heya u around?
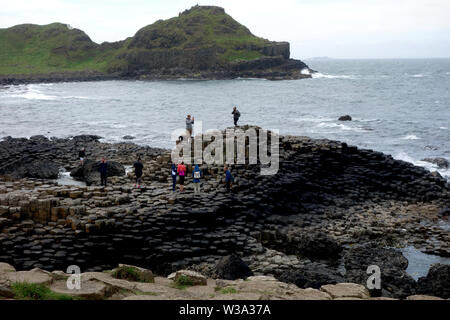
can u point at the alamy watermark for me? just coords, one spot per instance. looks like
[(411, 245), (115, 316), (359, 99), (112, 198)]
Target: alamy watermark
[(374, 281), (241, 147), (74, 281)]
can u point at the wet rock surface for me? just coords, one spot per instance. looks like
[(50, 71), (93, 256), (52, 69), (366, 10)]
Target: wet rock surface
[(326, 198)]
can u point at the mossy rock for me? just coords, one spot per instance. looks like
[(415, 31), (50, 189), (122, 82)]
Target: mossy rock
[(132, 273)]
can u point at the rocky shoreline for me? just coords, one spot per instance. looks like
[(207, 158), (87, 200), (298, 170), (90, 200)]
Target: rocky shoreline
[(160, 76), (128, 282), (329, 212)]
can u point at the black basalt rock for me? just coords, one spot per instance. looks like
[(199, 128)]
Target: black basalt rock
[(231, 268), (437, 281)]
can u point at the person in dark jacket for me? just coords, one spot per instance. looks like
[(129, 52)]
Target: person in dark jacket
[(228, 178), (236, 114), (138, 167), (103, 172), (82, 155), (174, 176)]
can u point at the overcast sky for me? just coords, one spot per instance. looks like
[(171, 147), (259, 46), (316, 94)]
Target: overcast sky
[(333, 28)]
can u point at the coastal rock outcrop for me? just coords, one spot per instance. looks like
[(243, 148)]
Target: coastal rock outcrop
[(345, 118), (437, 282), (89, 171), (231, 268), (394, 279), (369, 195), (440, 162)]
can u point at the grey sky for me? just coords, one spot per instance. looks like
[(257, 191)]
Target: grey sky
[(334, 28)]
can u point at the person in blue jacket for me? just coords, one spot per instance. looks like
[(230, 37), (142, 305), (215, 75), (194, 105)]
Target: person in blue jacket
[(103, 172), (174, 176), (196, 175), (228, 178)]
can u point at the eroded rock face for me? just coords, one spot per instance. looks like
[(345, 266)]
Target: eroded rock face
[(313, 275), (394, 279), (437, 281), (442, 163), (231, 268), (345, 118), (31, 168), (89, 171)]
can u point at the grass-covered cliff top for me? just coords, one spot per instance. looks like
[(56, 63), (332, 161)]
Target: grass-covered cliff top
[(41, 49)]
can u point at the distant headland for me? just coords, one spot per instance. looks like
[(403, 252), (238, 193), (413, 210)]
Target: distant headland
[(201, 43)]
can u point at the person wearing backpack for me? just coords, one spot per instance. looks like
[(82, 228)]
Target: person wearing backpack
[(174, 176), (196, 175), (236, 114), (181, 170), (228, 178)]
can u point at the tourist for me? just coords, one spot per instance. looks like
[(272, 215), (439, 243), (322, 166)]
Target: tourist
[(138, 167), (196, 175), (189, 123), (82, 155), (228, 178), (103, 172), (181, 170), (174, 176), (236, 114)]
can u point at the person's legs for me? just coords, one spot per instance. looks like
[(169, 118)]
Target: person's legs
[(235, 121), (228, 186), (174, 183), (138, 181)]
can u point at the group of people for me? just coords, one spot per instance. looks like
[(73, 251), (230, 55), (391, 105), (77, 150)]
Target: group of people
[(179, 171)]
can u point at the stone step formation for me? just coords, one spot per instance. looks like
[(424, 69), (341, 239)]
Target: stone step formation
[(326, 196)]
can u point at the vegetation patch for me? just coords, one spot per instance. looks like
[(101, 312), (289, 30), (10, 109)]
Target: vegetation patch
[(33, 291), (182, 282), (229, 290)]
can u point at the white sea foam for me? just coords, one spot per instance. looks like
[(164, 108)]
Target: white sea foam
[(427, 165), (443, 128), (318, 75), (305, 71), (313, 119), (341, 126), (418, 75), (33, 95), (410, 137)]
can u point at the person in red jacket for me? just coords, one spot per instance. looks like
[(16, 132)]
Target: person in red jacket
[(181, 170)]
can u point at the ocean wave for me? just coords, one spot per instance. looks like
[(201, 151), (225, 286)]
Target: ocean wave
[(318, 75), (313, 119), (410, 137), (33, 95), (443, 128), (424, 164), (342, 127)]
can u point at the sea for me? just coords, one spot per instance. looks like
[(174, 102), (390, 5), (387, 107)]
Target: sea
[(400, 107)]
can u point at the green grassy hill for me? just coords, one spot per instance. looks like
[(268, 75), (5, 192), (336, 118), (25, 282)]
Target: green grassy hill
[(201, 38), (34, 49)]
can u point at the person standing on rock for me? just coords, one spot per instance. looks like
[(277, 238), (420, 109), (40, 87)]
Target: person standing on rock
[(228, 178), (174, 176), (181, 170), (189, 124), (236, 114), (103, 172), (138, 167), (196, 175), (82, 155)]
